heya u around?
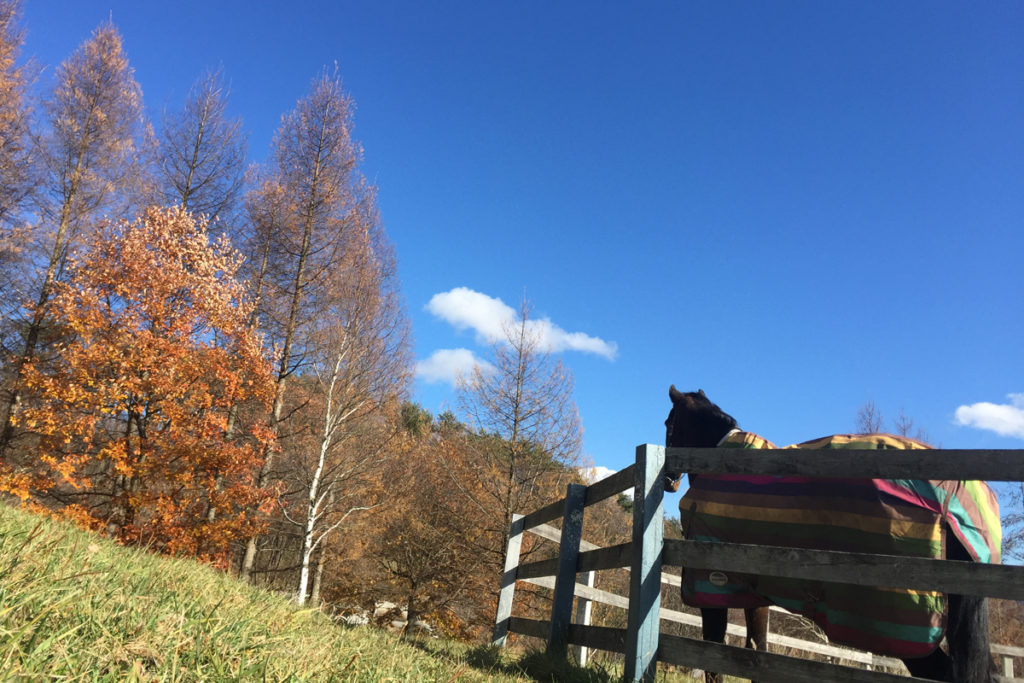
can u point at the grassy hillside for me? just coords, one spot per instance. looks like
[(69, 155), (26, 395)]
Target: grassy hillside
[(75, 607)]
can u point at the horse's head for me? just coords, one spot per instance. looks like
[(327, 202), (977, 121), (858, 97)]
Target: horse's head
[(693, 422)]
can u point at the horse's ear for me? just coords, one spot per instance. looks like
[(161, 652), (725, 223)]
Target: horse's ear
[(674, 394), (701, 392)]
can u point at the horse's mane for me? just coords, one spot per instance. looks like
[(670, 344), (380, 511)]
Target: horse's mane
[(712, 413)]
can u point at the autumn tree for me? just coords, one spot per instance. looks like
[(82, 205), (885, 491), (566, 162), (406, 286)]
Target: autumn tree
[(17, 179), (358, 354), (202, 153), (317, 197), (91, 155), (132, 413), (526, 426), (429, 540), (16, 173)]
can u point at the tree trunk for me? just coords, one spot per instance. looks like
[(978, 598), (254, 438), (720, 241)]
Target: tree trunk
[(318, 577), (307, 552), (410, 610)]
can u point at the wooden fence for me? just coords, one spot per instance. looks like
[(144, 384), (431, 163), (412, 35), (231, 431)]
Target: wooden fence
[(643, 644)]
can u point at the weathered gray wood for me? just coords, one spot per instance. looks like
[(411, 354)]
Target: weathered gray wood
[(595, 493), (947, 576), (606, 598), (612, 557), (551, 533), (764, 666), (565, 580), (620, 555), (532, 570), (611, 485), (987, 465), (592, 594), (679, 651), (645, 571), (545, 514), (583, 609), (508, 581), (599, 637), (529, 627), (1008, 650)]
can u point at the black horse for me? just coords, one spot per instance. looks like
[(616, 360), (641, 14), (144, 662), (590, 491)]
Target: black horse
[(696, 422)]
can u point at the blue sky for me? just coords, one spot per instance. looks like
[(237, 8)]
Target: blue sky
[(796, 206)]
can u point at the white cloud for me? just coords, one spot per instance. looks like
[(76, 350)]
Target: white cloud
[(1003, 419), (595, 474), (446, 365), (465, 308)]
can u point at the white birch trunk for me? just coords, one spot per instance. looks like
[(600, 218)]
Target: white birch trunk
[(309, 543)]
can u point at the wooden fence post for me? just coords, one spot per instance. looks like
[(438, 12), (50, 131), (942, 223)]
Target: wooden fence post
[(645, 572), (583, 617), (508, 581), (565, 581)]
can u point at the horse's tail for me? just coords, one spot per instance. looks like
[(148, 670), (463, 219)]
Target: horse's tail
[(967, 632)]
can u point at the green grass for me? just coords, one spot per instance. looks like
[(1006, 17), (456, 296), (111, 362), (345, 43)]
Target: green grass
[(75, 607)]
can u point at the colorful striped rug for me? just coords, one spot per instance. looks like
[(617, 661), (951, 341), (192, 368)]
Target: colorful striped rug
[(879, 516)]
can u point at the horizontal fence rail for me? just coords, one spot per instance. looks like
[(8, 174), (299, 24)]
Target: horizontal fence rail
[(888, 571), (843, 463), (644, 646)]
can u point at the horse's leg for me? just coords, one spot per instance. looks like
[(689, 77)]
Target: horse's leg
[(757, 627), (936, 667), (967, 629), (713, 622), (969, 659)]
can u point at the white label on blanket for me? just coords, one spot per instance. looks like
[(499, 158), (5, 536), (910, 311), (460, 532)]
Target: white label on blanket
[(718, 579)]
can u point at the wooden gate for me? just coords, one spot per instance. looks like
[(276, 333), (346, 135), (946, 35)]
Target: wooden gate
[(642, 643)]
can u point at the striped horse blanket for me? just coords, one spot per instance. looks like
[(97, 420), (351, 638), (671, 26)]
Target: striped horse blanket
[(878, 516)]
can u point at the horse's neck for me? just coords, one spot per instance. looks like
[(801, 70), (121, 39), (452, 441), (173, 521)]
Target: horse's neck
[(717, 429)]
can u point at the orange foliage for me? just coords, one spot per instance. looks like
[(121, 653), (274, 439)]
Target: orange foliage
[(133, 413), (435, 554)]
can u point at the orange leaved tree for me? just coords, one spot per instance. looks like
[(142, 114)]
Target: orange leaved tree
[(132, 416)]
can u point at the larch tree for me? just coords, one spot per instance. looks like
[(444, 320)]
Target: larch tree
[(314, 176), (92, 154), (132, 413), (267, 210), (16, 154), (17, 180), (201, 160), (527, 425)]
